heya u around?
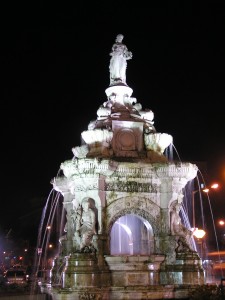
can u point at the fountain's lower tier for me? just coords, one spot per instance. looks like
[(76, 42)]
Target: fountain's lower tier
[(128, 277)]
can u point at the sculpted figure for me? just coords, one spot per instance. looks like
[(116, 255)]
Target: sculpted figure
[(177, 228), (76, 219), (88, 224), (118, 61)]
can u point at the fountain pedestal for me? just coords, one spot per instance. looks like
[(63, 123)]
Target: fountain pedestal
[(135, 270), (187, 270), (81, 270)]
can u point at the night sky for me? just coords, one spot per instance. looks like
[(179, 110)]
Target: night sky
[(55, 69)]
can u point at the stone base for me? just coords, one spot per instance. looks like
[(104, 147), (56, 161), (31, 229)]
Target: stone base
[(128, 277), (125, 293), (134, 270), (187, 269), (82, 271)]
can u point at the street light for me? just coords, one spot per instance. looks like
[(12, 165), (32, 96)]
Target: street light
[(221, 222), (199, 234), (205, 190)]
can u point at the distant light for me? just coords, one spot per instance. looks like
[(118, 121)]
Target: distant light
[(221, 222), (214, 185)]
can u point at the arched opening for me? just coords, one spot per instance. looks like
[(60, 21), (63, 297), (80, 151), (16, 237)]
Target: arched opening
[(131, 235)]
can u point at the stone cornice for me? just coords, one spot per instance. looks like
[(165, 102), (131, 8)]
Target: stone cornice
[(139, 168)]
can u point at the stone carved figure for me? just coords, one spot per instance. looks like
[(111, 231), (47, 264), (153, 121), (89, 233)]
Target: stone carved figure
[(183, 245), (118, 62), (76, 220), (87, 225), (176, 226), (63, 238)]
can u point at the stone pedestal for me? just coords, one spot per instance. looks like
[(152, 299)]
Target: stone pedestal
[(187, 269), (81, 270), (134, 270)]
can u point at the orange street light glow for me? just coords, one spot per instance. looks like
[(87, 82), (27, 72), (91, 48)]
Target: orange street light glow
[(221, 222), (215, 186), (199, 233)]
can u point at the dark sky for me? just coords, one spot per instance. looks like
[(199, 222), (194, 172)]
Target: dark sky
[(55, 69)]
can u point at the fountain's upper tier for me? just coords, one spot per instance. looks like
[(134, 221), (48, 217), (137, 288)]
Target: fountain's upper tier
[(121, 106), (122, 127)]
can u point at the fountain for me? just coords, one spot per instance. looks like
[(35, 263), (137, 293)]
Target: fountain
[(124, 238)]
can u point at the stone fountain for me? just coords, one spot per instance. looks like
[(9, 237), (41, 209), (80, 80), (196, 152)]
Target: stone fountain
[(124, 238)]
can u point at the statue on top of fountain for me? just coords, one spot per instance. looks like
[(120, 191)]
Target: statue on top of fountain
[(122, 127), (118, 62)]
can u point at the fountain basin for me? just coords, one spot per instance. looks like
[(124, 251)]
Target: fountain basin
[(157, 142)]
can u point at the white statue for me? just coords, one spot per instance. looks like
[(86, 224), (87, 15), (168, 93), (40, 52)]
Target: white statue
[(177, 228), (88, 224), (118, 61), (76, 219)]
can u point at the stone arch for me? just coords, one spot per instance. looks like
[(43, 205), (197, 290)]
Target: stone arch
[(131, 234), (139, 206), (134, 211)]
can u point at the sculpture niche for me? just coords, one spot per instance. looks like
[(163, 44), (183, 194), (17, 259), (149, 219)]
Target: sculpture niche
[(82, 226)]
